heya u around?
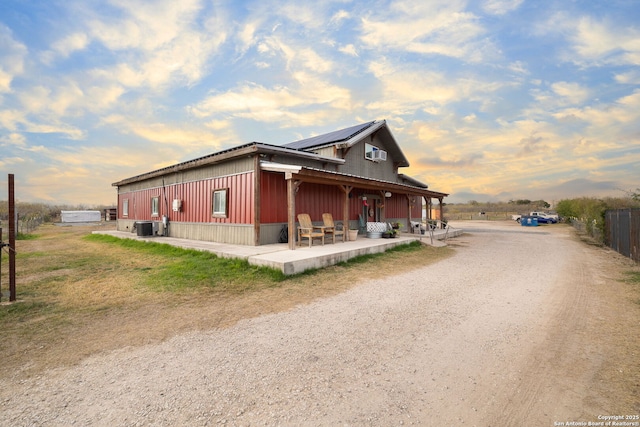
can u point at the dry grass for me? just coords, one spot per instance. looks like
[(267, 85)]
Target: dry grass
[(78, 297)]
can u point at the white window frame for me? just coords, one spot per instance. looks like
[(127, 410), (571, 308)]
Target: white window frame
[(220, 203), (125, 207), (155, 206), (373, 153)]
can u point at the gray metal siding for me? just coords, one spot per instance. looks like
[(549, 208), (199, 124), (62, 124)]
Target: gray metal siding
[(357, 164), (270, 233), (237, 234)]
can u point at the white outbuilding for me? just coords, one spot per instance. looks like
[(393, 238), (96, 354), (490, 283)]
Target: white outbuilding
[(80, 216)]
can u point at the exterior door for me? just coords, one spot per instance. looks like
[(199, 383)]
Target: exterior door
[(372, 211)]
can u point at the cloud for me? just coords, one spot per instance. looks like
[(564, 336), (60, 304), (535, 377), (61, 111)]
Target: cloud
[(532, 144), (582, 187), (12, 56), (14, 138), (349, 49), (474, 104), (501, 7), (601, 117), (428, 28), (246, 36), (16, 121), (143, 25), (339, 16), (295, 55), (307, 14), (405, 89), (630, 77), (518, 67), (280, 104), (601, 41), (571, 92), (178, 136), (8, 162), (145, 44), (66, 46), (452, 163)]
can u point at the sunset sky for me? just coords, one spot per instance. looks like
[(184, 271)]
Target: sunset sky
[(489, 100)]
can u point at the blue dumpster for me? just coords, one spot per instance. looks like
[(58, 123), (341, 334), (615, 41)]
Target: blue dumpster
[(529, 221)]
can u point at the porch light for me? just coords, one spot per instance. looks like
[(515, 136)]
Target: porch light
[(387, 194)]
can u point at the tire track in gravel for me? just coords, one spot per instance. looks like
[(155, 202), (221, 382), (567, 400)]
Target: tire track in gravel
[(543, 392)]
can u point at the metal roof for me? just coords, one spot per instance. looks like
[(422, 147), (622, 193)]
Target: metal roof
[(220, 156), (412, 180), (329, 138), (346, 137)]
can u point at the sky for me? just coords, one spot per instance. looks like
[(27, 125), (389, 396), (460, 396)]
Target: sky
[(492, 100)]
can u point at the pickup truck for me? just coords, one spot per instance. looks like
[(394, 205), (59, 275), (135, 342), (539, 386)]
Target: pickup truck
[(543, 217), (546, 215)]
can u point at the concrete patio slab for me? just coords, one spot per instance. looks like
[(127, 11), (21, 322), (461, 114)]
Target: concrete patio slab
[(303, 258)]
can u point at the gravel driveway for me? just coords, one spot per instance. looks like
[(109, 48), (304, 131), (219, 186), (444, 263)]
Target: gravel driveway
[(490, 336)]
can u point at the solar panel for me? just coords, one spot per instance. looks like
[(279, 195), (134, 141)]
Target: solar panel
[(327, 138)]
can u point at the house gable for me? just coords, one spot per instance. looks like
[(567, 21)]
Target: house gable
[(369, 150)]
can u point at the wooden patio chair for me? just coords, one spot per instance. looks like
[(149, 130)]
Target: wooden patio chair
[(331, 228), (308, 230)]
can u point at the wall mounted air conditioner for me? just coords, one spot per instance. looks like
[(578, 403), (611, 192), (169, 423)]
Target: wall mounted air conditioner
[(177, 205), (379, 155)]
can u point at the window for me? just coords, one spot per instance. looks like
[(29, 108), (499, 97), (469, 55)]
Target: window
[(220, 203), (125, 207), (155, 205), (372, 152)]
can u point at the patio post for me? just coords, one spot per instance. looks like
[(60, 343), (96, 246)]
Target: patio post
[(292, 189), (345, 210)]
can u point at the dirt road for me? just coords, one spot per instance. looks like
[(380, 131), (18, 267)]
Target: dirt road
[(523, 326)]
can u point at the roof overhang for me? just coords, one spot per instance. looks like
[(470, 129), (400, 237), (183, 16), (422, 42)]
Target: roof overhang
[(317, 176), (412, 180)]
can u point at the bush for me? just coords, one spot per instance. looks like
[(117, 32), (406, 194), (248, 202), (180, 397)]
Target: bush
[(590, 212)]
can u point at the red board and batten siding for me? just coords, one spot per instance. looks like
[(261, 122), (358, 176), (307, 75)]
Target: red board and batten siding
[(396, 207), (314, 199), (196, 197), (273, 198)]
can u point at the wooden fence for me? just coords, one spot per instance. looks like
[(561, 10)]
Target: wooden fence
[(622, 232)]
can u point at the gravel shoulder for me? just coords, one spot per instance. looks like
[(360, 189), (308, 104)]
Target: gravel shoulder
[(522, 326)]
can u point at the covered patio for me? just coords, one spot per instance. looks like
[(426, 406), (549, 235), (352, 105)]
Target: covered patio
[(297, 175)]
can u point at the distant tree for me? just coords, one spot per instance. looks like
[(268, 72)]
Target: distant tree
[(473, 202), (542, 204)]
